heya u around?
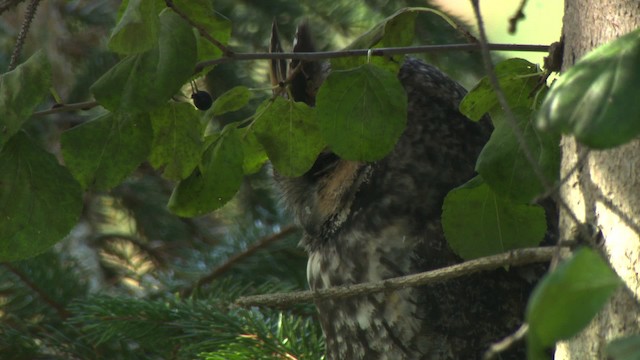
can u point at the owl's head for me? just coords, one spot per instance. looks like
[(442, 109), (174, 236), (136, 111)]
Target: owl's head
[(320, 198)]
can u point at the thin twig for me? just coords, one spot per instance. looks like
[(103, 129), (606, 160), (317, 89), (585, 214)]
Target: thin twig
[(234, 260), (59, 308), (87, 105), (511, 258), (510, 116), (519, 15), (22, 35), (506, 343), (203, 32), (323, 55)]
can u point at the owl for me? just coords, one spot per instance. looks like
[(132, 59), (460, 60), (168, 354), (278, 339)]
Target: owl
[(370, 221)]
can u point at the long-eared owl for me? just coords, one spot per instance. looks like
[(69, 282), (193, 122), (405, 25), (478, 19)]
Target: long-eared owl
[(372, 221)]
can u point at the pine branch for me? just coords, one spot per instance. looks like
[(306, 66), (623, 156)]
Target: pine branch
[(234, 260), (59, 308), (510, 258)]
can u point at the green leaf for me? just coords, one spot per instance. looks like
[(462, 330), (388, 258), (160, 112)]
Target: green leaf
[(219, 27), (21, 90), (627, 348), (597, 99), (566, 300), (137, 28), (504, 166), (145, 81), (478, 222), (102, 152), (39, 199), (232, 100), (177, 139), (517, 78), (289, 133), (362, 112), (254, 154), (395, 31), (216, 180)]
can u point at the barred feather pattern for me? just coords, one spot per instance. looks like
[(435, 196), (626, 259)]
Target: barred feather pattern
[(372, 221)]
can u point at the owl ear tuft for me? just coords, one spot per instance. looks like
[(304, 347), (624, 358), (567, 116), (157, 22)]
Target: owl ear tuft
[(278, 70), (306, 82)]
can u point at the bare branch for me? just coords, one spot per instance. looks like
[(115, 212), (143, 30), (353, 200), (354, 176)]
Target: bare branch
[(203, 32), (323, 55), (234, 260), (24, 30), (511, 258), (504, 344), (519, 15)]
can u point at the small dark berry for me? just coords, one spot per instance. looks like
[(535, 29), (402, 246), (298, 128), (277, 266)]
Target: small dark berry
[(202, 100)]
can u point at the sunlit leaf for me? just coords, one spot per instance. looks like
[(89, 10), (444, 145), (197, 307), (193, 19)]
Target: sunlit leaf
[(566, 300), (102, 152), (597, 99), (362, 112), (477, 222), (144, 81), (289, 133), (21, 90), (517, 78), (215, 181), (254, 154), (39, 199), (177, 139)]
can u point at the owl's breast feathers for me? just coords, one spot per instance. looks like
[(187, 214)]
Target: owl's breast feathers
[(372, 221)]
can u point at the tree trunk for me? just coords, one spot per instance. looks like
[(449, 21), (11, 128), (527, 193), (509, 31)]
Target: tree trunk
[(605, 190)]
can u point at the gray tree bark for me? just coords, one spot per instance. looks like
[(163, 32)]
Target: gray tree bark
[(605, 190)]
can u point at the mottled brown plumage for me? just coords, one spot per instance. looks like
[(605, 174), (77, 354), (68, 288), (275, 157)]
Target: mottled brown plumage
[(372, 221)]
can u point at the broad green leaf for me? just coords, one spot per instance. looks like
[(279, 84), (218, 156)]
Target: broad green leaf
[(39, 199), (566, 300), (627, 348), (597, 99), (517, 78), (137, 28), (102, 152), (145, 81), (289, 133), (177, 139), (504, 165), (395, 31), (215, 181), (254, 154), (478, 222), (219, 27), (232, 100), (21, 90), (361, 112)]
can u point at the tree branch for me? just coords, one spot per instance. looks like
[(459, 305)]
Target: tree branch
[(323, 55), (235, 259), (519, 15), (512, 258), (203, 32), (504, 344), (22, 35)]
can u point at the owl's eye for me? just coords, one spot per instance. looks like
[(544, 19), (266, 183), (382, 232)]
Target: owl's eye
[(202, 100)]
